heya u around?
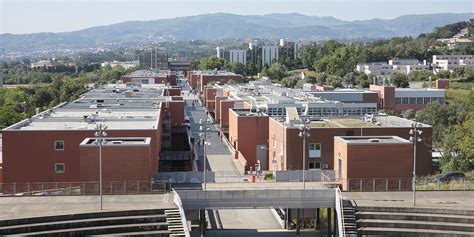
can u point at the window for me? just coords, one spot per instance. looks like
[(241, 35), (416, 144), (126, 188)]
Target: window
[(398, 101), (405, 100), (314, 165), (314, 150), (427, 100), (412, 100), (419, 100), (59, 168), (59, 145)]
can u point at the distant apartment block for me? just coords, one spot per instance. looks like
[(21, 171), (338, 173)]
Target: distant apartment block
[(450, 62), (153, 59), (41, 64), (382, 69), (199, 79), (125, 64), (269, 53), (238, 56)]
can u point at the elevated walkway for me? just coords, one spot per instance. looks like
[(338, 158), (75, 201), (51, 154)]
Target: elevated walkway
[(242, 199)]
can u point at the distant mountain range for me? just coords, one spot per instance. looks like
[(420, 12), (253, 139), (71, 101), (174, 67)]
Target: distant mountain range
[(222, 25)]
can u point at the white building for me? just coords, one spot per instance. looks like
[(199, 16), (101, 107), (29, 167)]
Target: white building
[(125, 64), (269, 53), (298, 46), (220, 52), (450, 62), (404, 66), (238, 56)]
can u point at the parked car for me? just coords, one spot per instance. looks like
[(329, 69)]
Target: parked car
[(450, 177)]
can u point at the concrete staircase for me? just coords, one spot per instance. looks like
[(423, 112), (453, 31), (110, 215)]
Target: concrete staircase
[(154, 222), (424, 222), (350, 225)]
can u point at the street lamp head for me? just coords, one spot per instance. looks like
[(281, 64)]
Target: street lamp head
[(411, 139), (96, 134), (300, 134), (420, 140), (104, 134), (420, 132)]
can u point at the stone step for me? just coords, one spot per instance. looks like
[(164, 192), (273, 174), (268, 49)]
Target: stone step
[(416, 210), (416, 217), (411, 232), (416, 225), (158, 233), (92, 222), (102, 230), (80, 216)]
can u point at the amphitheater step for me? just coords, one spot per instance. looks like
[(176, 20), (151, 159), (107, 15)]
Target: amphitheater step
[(158, 233), (416, 217), (462, 212), (80, 216), (409, 224), (411, 232), (101, 230), (92, 222)]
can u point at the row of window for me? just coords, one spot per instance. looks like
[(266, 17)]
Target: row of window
[(418, 100), (344, 111)]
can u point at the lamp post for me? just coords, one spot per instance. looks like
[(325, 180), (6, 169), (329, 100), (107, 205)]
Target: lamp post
[(415, 137), (203, 135), (100, 134), (304, 133)]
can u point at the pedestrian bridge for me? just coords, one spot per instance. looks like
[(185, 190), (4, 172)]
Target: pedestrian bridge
[(261, 198)]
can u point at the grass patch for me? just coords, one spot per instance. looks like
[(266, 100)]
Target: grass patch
[(457, 95)]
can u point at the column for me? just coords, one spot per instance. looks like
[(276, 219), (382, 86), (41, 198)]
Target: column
[(329, 221), (317, 223), (298, 220)]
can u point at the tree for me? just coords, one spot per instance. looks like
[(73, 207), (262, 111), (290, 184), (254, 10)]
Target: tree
[(362, 80), (458, 148), (9, 116), (334, 81), (212, 63), (238, 68), (409, 114), (399, 80), (289, 82), (275, 72)]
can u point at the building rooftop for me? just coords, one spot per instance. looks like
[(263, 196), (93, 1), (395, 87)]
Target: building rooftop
[(373, 140), (132, 108), (118, 141), (379, 120), (148, 73)]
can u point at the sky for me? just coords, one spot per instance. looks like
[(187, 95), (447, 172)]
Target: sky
[(31, 16)]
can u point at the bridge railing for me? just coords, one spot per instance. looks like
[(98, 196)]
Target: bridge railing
[(82, 188), (177, 202), (339, 213)]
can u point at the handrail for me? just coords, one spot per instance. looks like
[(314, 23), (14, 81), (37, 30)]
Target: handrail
[(340, 213), (177, 201)]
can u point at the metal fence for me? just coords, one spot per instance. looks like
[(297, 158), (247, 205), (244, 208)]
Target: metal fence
[(309, 175), (82, 188), (404, 184), (185, 177)]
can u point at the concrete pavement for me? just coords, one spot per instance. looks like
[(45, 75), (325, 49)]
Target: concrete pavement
[(424, 199), (23, 207)]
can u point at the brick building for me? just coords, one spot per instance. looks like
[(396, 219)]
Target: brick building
[(150, 77), (360, 159), (285, 146), (400, 99), (49, 143)]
